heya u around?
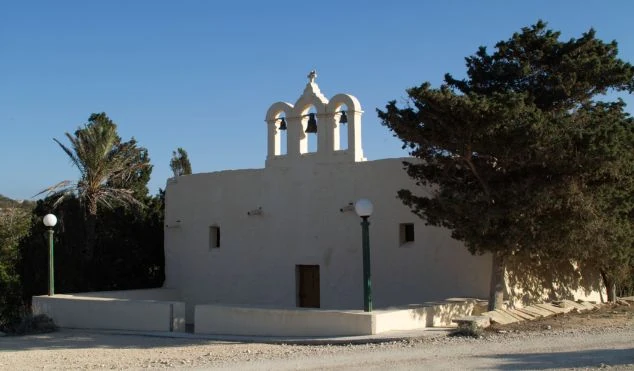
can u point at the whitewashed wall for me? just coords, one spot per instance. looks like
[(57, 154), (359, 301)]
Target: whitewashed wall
[(301, 223)]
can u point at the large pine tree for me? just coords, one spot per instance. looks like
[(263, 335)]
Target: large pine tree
[(523, 156)]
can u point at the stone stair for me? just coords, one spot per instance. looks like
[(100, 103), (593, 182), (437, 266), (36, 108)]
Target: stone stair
[(528, 313), (512, 315)]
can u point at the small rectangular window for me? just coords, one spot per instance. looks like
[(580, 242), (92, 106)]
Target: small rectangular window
[(214, 237), (406, 233)]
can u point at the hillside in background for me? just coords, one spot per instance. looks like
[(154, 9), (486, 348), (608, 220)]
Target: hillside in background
[(6, 203)]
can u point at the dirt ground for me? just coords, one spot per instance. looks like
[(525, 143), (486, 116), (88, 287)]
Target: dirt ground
[(600, 339), (606, 316)]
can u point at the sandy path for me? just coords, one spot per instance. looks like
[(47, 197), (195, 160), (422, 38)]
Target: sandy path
[(77, 349)]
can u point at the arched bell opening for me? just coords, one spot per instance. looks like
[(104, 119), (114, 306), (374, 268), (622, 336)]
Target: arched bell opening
[(281, 134), (341, 128), (310, 125), (278, 117), (348, 125)]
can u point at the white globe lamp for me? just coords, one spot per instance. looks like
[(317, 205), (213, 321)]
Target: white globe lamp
[(363, 207), (50, 220)]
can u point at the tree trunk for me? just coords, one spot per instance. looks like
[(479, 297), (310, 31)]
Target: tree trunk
[(610, 286), (496, 290), (91, 237), (91, 265)]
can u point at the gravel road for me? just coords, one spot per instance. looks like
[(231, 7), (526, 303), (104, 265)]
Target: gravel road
[(611, 348)]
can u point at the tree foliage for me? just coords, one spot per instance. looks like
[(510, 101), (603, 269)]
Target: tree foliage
[(129, 240), (112, 173), (522, 155), (14, 225), (179, 163), (7, 203)]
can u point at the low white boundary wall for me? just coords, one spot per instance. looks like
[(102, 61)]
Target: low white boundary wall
[(140, 310), (257, 321), (431, 314), (233, 320), (142, 294)]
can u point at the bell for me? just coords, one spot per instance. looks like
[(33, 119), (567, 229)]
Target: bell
[(344, 118), (312, 124), (283, 124)]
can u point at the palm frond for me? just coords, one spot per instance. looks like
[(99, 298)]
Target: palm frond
[(113, 197), (106, 165), (54, 188), (59, 192), (71, 154)]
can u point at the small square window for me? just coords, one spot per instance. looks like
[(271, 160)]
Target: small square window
[(214, 237), (406, 233)]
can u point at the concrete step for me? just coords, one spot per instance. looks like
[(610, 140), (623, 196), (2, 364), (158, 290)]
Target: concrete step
[(531, 312)]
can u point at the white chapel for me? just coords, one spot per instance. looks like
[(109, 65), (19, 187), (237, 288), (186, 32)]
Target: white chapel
[(287, 235)]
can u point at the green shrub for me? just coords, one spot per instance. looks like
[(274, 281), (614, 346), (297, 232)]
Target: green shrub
[(14, 225), (37, 324)]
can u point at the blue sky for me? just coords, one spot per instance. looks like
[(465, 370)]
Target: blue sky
[(201, 74)]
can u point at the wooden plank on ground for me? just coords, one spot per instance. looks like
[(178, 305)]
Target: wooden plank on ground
[(573, 304), (587, 305), (508, 317), (541, 312), (544, 312), (523, 315), (565, 308), (551, 308), (529, 312), (512, 315), (497, 317)]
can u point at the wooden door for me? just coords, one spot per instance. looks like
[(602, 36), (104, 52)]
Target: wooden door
[(307, 286)]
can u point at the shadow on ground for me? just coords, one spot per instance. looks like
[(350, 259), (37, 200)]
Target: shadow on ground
[(79, 339), (579, 359)]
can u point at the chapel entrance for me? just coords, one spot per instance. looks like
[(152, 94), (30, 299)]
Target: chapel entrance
[(307, 278)]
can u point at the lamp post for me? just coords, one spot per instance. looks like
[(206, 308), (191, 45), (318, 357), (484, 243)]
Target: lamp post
[(49, 221), (363, 208)]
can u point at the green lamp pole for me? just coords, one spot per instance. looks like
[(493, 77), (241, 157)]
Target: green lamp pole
[(49, 221), (364, 208)]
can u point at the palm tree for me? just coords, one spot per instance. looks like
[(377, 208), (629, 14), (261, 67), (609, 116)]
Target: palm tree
[(106, 166)]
